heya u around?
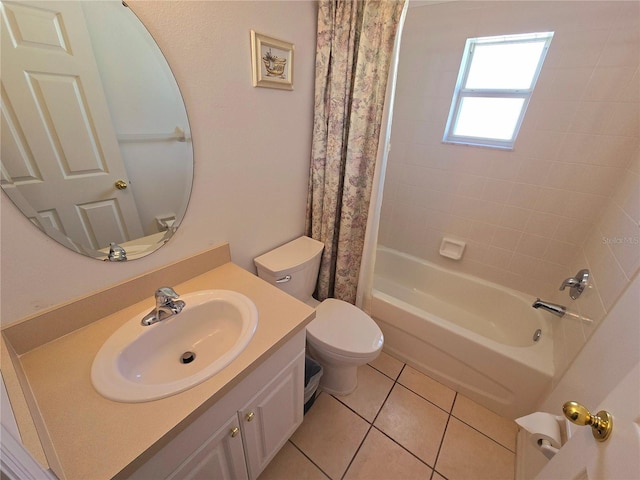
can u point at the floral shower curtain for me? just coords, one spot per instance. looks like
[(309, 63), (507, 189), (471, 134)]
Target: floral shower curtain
[(353, 54)]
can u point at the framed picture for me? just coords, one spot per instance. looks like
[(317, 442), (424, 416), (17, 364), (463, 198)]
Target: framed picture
[(272, 62)]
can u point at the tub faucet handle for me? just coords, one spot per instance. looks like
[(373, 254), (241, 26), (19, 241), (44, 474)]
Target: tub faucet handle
[(576, 284)]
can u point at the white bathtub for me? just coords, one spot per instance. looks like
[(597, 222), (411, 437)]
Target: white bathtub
[(470, 334)]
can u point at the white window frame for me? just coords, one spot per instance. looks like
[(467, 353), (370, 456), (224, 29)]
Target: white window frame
[(461, 92)]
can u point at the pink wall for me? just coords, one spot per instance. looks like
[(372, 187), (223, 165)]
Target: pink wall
[(567, 197), (251, 152)]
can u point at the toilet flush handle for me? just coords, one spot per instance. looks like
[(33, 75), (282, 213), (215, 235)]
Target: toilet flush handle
[(284, 279)]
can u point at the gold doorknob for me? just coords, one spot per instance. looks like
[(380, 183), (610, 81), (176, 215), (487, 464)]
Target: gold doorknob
[(249, 416), (601, 423), (121, 184), (234, 432)]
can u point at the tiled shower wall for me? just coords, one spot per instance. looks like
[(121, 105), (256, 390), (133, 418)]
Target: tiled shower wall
[(612, 253), (567, 196)]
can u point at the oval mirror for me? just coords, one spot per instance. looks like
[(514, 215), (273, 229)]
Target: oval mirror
[(96, 147)]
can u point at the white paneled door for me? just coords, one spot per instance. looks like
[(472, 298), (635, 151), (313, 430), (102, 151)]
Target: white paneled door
[(59, 148)]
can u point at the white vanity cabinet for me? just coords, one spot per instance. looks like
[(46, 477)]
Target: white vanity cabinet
[(239, 435), (272, 416), (221, 457)]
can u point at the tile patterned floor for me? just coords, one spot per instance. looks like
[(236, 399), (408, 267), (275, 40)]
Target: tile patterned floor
[(398, 425)]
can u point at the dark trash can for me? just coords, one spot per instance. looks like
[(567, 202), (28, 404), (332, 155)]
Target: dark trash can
[(312, 374)]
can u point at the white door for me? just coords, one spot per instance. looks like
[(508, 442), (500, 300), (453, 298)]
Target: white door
[(59, 148), (582, 457)]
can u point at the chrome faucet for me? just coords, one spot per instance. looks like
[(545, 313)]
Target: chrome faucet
[(557, 310), (116, 253), (166, 306), (576, 284)]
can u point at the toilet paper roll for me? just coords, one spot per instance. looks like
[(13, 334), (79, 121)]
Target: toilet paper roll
[(543, 427)]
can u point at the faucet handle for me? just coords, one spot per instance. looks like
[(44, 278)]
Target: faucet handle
[(569, 282), (577, 284), (116, 253), (165, 294)]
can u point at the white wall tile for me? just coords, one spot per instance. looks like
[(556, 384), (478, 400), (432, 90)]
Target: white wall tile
[(628, 196), (524, 195), (580, 48), (543, 224), (623, 237), (560, 253), (624, 119), (534, 215), (506, 238), (505, 167), (604, 83), (622, 48), (514, 217), (572, 231), (590, 118), (533, 245)]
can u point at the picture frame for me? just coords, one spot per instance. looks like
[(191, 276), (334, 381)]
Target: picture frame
[(271, 61)]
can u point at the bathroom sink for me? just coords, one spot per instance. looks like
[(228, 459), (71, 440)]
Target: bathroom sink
[(141, 363)]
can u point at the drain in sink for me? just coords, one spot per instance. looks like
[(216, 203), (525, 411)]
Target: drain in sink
[(187, 357)]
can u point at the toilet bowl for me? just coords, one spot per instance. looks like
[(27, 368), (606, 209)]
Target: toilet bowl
[(341, 337)]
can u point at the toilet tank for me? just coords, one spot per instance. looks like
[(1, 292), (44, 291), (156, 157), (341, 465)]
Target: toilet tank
[(292, 267)]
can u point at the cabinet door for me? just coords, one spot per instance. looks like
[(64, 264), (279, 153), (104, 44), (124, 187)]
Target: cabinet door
[(221, 457), (272, 416)]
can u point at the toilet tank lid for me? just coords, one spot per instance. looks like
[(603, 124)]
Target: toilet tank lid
[(290, 255)]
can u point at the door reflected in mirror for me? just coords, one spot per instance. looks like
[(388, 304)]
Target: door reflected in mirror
[(96, 145)]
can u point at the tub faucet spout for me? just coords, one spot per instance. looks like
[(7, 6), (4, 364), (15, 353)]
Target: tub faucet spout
[(557, 310)]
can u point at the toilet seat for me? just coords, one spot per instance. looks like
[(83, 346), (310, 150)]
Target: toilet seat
[(343, 329)]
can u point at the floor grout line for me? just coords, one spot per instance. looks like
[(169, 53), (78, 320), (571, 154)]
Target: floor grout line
[(386, 375), (356, 452), (444, 433), (451, 414), (403, 447), (308, 458), (483, 434), (371, 426), (370, 423)]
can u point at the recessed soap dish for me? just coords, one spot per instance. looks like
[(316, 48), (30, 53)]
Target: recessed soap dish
[(452, 248)]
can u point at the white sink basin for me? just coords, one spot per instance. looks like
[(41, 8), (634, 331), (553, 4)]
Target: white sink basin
[(141, 363)]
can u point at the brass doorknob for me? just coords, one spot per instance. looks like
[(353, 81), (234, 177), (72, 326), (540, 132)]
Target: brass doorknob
[(601, 423), (249, 416), (121, 184), (234, 432)]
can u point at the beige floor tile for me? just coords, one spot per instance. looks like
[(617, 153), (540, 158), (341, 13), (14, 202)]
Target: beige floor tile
[(427, 388), (330, 435), (413, 422), (388, 365), (290, 463), (437, 476), (502, 430), (367, 399), (467, 454), (382, 459)]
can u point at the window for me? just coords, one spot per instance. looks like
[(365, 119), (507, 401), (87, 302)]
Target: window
[(495, 82)]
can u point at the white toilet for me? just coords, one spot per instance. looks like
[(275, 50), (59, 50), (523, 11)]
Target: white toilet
[(342, 337)]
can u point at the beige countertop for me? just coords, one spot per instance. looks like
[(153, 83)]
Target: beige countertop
[(95, 438)]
